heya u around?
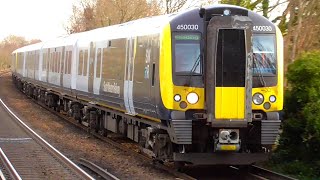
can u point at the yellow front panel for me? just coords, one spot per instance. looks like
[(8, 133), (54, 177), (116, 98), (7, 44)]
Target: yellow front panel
[(230, 103)]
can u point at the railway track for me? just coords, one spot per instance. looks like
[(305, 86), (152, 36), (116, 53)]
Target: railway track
[(253, 171), (33, 152), (98, 170), (115, 144), (7, 166), (261, 173)]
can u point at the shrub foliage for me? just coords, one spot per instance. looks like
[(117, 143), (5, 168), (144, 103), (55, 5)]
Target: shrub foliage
[(299, 144)]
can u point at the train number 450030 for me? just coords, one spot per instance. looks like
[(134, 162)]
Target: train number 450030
[(188, 27)]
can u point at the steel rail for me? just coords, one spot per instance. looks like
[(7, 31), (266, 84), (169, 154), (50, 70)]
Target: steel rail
[(98, 170), (76, 169), (265, 173), (9, 167), (2, 175), (114, 143)]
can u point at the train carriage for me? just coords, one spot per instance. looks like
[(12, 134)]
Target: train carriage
[(202, 86)]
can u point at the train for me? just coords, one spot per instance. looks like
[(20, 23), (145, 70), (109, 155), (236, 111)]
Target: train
[(203, 86)]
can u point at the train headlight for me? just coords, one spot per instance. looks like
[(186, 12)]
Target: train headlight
[(192, 98), (257, 99), (226, 12), (272, 98), (177, 97)]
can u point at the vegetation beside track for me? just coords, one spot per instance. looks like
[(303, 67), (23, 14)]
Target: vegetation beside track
[(298, 152)]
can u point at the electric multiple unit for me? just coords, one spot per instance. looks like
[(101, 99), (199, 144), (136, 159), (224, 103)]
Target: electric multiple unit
[(203, 86)]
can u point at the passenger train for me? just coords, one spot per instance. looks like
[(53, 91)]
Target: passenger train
[(203, 86)]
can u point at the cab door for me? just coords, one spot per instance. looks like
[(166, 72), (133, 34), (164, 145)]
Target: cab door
[(229, 70), (128, 76)]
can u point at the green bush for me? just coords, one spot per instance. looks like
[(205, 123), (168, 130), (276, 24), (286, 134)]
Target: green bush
[(299, 144)]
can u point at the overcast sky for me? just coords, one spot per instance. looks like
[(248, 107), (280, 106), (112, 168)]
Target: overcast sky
[(38, 19), (34, 19)]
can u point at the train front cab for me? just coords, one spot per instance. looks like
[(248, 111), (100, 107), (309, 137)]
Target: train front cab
[(232, 127)]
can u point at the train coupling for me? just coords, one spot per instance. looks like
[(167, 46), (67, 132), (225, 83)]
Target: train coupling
[(228, 140)]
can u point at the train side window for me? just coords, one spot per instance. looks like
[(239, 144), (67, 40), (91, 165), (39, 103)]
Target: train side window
[(142, 59), (85, 64), (51, 62), (61, 63), (37, 61), (48, 62), (99, 59), (80, 63), (116, 55), (104, 61), (70, 62), (153, 73), (43, 61), (66, 62), (56, 62)]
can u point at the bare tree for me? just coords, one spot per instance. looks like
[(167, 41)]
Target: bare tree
[(82, 18), (264, 6), (300, 23), (171, 6), (93, 14), (8, 45)]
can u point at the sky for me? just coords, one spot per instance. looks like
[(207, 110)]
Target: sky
[(34, 19), (37, 19)]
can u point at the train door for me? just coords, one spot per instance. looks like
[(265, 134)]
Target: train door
[(98, 69), (228, 70), (128, 77), (92, 59)]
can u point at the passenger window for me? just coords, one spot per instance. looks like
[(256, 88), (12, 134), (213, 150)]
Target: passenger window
[(69, 62), (61, 63), (56, 62), (115, 55), (66, 62), (80, 63), (104, 61), (98, 69), (85, 62), (51, 62)]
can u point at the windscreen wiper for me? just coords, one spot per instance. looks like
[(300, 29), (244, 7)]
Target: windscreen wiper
[(260, 74), (193, 69)]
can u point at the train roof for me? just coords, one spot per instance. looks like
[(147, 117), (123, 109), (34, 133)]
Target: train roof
[(147, 25), (31, 47)]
